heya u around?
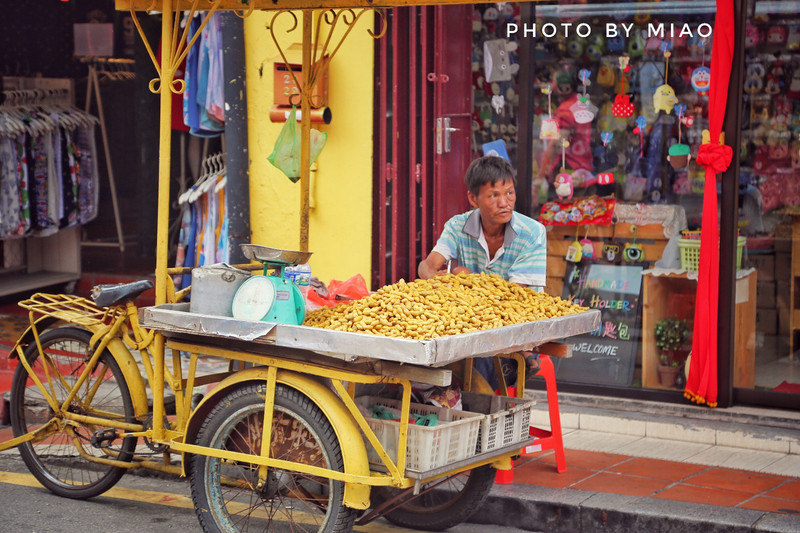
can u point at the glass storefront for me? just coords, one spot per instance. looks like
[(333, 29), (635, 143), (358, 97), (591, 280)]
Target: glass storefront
[(769, 186), (616, 96)]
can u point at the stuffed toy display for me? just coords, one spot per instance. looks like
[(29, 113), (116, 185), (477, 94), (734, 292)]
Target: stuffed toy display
[(497, 60)]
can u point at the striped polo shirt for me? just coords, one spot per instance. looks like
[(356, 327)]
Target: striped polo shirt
[(521, 259)]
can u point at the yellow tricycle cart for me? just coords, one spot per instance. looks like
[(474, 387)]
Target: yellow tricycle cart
[(82, 415)]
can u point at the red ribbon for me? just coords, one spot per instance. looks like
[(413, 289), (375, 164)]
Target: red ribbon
[(715, 157)]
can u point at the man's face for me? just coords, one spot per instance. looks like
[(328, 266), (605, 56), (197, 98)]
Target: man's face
[(495, 201)]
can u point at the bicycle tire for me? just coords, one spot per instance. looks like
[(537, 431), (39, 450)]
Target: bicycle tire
[(55, 460), (300, 433), (448, 505)]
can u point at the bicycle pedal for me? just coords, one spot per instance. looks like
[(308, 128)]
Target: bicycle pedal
[(102, 438)]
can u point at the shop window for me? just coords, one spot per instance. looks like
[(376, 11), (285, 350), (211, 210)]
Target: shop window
[(495, 87), (619, 103), (769, 187)]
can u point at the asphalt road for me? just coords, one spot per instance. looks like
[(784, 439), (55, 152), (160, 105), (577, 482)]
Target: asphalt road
[(139, 503)]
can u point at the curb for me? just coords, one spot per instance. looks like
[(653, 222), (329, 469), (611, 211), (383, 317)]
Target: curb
[(536, 508)]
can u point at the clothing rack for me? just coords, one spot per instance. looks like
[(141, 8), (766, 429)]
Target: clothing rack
[(109, 68), (32, 258)]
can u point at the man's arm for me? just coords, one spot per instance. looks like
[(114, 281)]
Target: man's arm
[(431, 266)]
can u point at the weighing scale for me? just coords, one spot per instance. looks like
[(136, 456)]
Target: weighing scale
[(271, 297)]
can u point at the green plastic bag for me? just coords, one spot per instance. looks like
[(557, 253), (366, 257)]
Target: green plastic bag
[(286, 154)]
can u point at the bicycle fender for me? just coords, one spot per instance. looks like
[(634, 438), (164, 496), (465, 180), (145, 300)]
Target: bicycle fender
[(356, 495), (133, 377)]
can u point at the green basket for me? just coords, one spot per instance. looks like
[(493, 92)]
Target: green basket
[(690, 253)]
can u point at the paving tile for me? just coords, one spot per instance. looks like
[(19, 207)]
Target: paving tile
[(681, 432), (787, 491), (794, 447), (609, 482), (597, 441), (668, 450), (773, 505), (657, 469), (736, 480), (540, 473), (789, 465), (738, 458), (761, 442), (612, 424), (587, 459), (690, 493), (540, 418)]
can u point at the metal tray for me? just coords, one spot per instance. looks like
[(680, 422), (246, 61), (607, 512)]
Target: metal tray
[(176, 318), (256, 252)]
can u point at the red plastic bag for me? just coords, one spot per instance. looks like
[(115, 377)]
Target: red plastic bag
[(354, 288)]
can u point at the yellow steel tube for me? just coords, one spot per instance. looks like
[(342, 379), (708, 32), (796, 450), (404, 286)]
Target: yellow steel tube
[(305, 130), (105, 422), (368, 433), (51, 399), (282, 464), (164, 163), (44, 431), (266, 429)]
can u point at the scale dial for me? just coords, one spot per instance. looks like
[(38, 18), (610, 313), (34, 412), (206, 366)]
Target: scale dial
[(254, 299)]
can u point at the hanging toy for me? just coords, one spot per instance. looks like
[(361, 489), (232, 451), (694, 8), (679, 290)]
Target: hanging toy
[(636, 44), (574, 251), (587, 246), (664, 98), (605, 178), (583, 109), (701, 76), (701, 80), (633, 253), (549, 129), (611, 248), (679, 154), (641, 122), (605, 76), (563, 181), (623, 107)]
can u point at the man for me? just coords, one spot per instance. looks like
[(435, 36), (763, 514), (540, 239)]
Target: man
[(491, 238)]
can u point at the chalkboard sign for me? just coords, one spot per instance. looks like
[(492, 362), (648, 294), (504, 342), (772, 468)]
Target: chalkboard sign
[(607, 355)]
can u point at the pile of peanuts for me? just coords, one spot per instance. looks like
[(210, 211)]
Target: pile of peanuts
[(444, 305)]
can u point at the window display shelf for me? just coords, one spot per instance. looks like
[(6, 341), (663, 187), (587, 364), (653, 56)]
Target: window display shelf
[(672, 293)]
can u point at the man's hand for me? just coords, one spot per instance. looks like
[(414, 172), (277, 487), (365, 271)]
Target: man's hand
[(460, 270), (433, 265)]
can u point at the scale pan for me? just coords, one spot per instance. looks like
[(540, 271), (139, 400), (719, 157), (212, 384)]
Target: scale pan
[(256, 252)]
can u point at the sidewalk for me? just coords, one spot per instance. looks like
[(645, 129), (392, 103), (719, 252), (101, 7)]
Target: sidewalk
[(646, 466)]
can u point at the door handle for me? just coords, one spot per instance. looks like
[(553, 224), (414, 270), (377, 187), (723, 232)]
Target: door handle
[(443, 131)]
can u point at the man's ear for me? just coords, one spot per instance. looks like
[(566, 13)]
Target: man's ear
[(473, 200)]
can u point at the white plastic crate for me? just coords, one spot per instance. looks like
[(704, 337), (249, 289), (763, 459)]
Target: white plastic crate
[(428, 447), (506, 420)]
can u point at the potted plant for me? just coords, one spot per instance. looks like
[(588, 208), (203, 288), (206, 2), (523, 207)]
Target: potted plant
[(670, 335)]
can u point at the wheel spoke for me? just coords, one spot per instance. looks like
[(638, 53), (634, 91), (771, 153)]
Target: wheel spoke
[(55, 460), (237, 495)]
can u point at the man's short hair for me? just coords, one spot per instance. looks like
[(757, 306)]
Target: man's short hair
[(488, 169)]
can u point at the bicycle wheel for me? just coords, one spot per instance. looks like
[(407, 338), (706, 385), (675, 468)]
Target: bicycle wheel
[(450, 503), (56, 460), (226, 493)]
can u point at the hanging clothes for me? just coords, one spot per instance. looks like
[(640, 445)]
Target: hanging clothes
[(48, 171), (203, 236), (204, 79)]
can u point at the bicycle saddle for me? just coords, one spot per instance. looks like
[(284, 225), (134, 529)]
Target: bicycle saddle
[(108, 295)]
